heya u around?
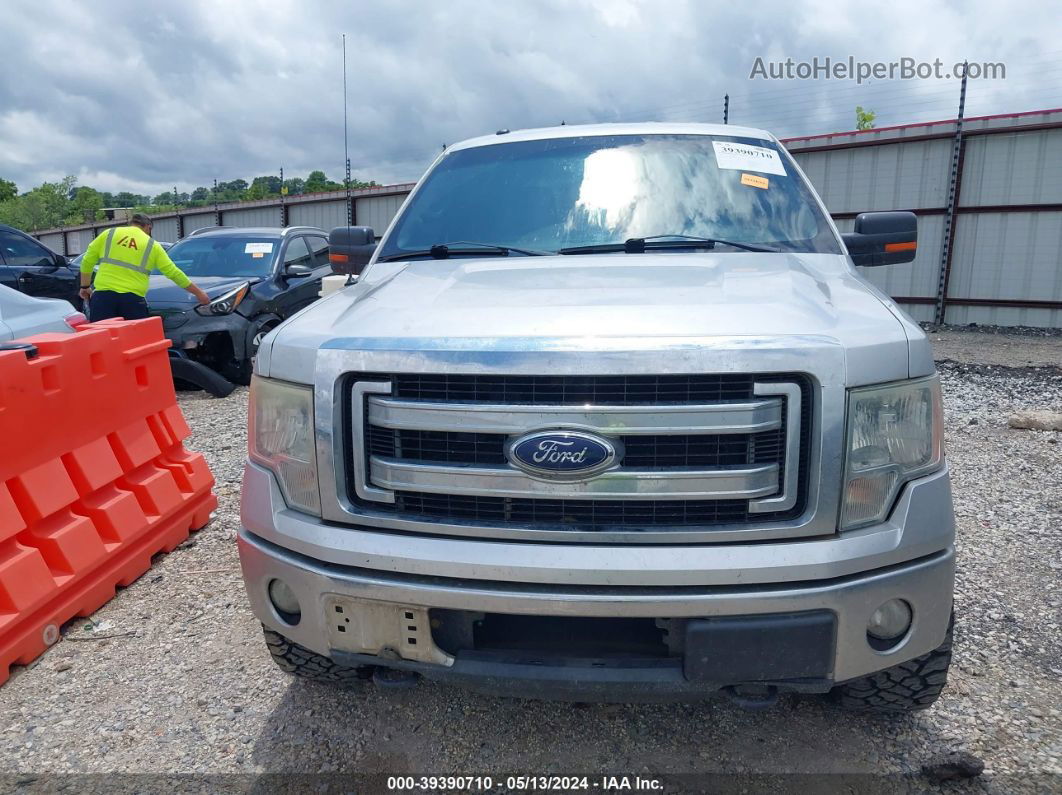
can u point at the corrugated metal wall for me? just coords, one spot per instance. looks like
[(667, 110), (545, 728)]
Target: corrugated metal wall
[(54, 241), (77, 242), (377, 211), (194, 221), (1008, 221), (252, 216), (1013, 256), (165, 229), (1013, 168), (324, 215), (880, 177)]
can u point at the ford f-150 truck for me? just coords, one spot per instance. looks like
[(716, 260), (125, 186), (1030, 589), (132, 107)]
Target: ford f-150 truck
[(609, 415)]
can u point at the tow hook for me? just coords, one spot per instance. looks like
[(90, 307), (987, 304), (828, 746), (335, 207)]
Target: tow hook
[(753, 697)]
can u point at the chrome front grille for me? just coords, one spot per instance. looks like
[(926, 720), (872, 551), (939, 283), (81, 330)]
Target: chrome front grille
[(700, 451)]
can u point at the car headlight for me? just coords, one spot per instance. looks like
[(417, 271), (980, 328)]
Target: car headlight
[(280, 436), (894, 435), (225, 304)]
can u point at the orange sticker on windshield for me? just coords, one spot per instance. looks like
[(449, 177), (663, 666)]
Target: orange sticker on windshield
[(257, 255), (753, 181)]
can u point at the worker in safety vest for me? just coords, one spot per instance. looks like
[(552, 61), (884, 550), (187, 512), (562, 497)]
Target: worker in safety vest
[(126, 256)]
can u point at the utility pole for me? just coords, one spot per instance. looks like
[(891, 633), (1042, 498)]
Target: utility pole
[(217, 212), (726, 108), (283, 205), (954, 183), (177, 212)]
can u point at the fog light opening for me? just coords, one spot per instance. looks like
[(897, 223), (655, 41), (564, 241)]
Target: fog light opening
[(284, 602), (889, 625)]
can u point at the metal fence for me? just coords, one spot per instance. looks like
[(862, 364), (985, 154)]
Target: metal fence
[(999, 260), (995, 259), (373, 207)]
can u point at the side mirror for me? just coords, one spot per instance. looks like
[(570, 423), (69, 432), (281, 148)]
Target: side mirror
[(350, 248), (884, 238), (61, 261), (297, 271)]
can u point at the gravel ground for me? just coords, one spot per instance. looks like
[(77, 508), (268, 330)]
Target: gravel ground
[(185, 685)]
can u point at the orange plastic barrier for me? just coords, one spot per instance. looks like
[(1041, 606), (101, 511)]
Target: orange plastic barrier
[(94, 476)]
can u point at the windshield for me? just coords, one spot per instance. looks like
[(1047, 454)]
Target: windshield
[(560, 193), (225, 255)]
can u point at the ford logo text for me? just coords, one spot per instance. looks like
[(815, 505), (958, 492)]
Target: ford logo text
[(562, 455)]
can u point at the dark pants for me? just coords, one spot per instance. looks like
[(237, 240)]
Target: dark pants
[(106, 304)]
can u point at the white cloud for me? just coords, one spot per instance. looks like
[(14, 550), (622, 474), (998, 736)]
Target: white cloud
[(200, 89)]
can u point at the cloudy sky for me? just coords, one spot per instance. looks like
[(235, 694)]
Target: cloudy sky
[(142, 96)]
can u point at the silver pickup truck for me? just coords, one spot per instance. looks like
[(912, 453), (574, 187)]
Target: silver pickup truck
[(609, 415)]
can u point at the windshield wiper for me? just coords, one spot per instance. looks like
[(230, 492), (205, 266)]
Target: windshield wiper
[(639, 245), (462, 248)]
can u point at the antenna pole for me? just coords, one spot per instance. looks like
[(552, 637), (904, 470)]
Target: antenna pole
[(726, 108), (346, 151)]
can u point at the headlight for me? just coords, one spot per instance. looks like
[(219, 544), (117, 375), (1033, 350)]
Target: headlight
[(280, 436), (894, 435), (225, 304)]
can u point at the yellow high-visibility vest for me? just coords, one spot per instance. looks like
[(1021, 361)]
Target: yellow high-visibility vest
[(126, 256)]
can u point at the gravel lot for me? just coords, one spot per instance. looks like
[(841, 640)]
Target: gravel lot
[(185, 684)]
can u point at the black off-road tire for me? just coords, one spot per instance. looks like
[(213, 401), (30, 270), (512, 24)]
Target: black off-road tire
[(906, 687), (300, 661)]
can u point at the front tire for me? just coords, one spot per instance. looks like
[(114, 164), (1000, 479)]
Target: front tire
[(907, 687), (239, 372), (299, 661)]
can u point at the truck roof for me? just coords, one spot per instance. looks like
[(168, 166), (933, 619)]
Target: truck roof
[(639, 128)]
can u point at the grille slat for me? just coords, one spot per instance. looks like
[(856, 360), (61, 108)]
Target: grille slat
[(585, 514), (573, 390), (663, 451), (642, 452)]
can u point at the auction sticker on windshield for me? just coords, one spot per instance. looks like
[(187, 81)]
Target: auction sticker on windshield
[(258, 248), (744, 157)]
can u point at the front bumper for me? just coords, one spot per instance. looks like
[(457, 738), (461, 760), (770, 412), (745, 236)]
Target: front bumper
[(188, 330), (910, 557)]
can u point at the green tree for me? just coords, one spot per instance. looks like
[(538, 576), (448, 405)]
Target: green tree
[(264, 187), (127, 199), (316, 181), (8, 190), (864, 118), (201, 195), (84, 202), (45, 206)]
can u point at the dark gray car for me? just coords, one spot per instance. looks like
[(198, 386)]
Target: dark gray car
[(257, 277)]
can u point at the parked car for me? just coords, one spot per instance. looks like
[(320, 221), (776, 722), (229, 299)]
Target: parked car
[(610, 414), (257, 277), (30, 267), (22, 315)]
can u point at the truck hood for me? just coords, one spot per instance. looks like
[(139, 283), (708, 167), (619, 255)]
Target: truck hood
[(665, 295)]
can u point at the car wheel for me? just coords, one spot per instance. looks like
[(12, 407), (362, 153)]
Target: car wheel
[(300, 661), (240, 372), (259, 335)]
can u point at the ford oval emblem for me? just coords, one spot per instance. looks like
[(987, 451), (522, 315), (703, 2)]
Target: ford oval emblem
[(562, 455)]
